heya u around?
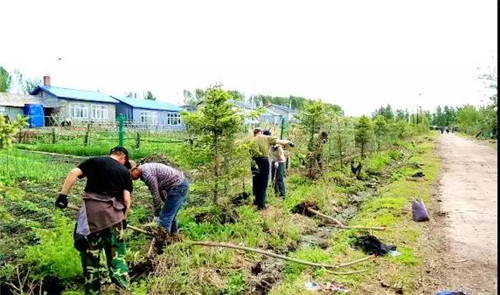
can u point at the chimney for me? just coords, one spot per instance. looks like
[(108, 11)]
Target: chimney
[(46, 80)]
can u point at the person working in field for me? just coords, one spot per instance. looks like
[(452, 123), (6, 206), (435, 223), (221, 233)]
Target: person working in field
[(259, 151), (169, 188), (101, 219), (278, 162)]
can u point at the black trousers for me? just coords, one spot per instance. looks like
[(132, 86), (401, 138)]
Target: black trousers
[(260, 179)]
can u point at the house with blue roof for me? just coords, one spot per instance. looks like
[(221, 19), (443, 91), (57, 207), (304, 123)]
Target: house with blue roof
[(75, 105), (149, 113)]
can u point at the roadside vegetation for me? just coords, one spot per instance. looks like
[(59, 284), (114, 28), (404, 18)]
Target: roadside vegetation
[(397, 162)]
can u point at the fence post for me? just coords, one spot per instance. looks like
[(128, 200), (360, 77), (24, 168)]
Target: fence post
[(53, 135), (121, 119), (283, 124), (138, 141), (86, 138)]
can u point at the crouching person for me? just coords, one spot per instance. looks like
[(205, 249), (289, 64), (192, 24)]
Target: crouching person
[(101, 219), (169, 188)]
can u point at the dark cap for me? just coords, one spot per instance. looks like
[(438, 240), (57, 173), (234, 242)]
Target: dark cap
[(123, 150), (266, 132)]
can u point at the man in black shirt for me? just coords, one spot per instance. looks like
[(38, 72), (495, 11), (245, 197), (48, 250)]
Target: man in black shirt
[(101, 219)]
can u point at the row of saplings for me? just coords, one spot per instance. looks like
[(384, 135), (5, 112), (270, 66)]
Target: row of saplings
[(102, 218)]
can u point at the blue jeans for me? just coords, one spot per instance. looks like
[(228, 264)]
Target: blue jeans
[(174, 198)]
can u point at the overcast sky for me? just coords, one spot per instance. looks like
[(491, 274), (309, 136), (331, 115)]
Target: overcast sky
[(357, 54)]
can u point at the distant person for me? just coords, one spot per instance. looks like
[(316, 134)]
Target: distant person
[(278, 163), (447, 130), (169, 188), (259, 151), (101, 219)]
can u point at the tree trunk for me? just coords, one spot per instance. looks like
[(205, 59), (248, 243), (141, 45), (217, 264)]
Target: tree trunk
[(216, 168)]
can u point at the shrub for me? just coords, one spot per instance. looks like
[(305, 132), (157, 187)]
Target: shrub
[(54, 256)]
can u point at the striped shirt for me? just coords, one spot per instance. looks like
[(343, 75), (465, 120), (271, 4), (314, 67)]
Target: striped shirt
[(159, 178)]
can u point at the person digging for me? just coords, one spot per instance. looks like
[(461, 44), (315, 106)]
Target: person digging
[(101, 219), (169, 188)]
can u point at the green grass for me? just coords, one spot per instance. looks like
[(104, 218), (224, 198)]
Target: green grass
[(30, 224)]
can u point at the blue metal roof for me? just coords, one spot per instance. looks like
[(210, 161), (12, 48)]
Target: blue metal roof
[(75, 94), (148, 104)]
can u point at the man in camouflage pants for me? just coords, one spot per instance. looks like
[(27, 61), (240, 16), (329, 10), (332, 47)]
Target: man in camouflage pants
[(101, 219)]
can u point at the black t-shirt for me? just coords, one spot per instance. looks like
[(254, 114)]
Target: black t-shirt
[(105, 175)]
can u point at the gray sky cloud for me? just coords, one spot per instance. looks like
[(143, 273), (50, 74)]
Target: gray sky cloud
[(358, 54)]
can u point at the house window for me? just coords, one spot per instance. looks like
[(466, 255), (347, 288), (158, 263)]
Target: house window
[(99, 111), (149, 117), (79, 111), (173, 119)]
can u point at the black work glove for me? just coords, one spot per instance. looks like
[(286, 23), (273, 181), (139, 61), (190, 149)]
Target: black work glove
[(291, 144), (124, 224), (62, 201)]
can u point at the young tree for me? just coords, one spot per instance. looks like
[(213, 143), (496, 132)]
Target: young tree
[(342, 137), (9, 130), (311, 119), (380, 130), (218, 121), (5, 80), (364, 133)]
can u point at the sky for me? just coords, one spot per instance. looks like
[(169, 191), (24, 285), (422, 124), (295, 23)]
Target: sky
[(358, 54)]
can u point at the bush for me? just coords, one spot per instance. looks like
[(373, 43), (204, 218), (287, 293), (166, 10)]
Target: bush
[(55, 255)]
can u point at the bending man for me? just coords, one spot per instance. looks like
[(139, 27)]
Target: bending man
[(169, 188), (101, 219)]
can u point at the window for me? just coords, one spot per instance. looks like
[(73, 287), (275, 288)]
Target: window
[(99, 111), (79, 111), (173, 119), (149, 117)]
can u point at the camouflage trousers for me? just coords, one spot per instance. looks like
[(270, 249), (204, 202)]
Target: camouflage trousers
[(110, 241)]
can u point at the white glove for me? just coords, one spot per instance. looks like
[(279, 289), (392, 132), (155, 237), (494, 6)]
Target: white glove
[(156, 219), (276, 164)]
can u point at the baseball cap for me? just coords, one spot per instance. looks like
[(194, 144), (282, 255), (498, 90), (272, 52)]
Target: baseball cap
[(123, 150)]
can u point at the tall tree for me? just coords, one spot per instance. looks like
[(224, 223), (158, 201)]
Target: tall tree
[(5, 80), (149, 96)]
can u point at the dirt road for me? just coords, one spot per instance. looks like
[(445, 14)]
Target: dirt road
[(467, 197)]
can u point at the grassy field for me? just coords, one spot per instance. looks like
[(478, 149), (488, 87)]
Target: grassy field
[(35, 236)]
